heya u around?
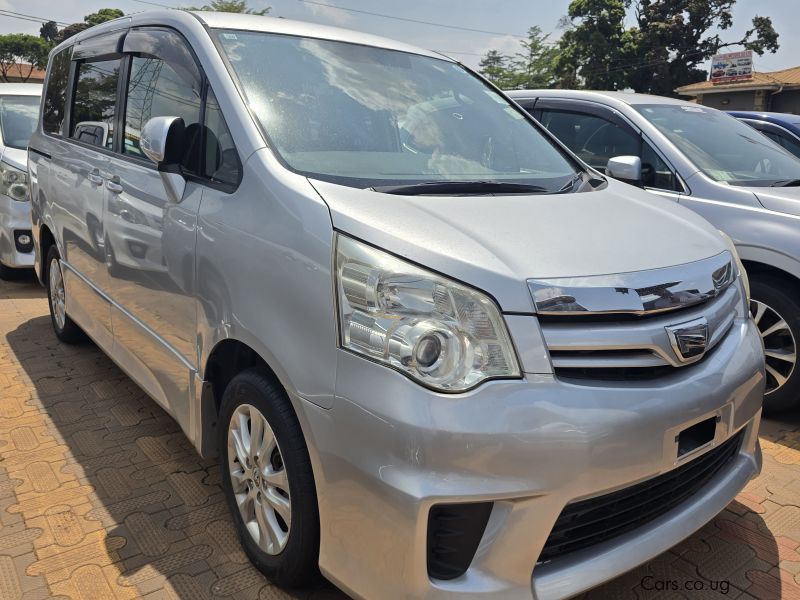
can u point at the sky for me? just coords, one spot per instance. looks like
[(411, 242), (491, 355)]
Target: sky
[(501, 21)]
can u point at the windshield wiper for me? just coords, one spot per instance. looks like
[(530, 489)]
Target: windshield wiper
[(786, 183), (461, 187)]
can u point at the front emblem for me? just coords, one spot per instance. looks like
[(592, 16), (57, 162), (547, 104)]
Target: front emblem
[(689, 340)]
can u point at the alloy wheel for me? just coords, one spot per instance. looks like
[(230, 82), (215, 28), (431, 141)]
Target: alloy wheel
[(58, 296), (259, 480), (779, 345)]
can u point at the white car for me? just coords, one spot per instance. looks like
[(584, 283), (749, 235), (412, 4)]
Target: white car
[(19, 112)]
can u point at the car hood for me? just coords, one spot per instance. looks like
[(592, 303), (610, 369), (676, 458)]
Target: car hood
[(784, 200), (495, 243), (16, 158)]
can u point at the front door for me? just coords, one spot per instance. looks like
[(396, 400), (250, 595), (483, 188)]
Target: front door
[(145, 234)]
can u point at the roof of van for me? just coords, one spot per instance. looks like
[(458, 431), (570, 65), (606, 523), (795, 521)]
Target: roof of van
[(245, 22), (20, 89), (630, 98)]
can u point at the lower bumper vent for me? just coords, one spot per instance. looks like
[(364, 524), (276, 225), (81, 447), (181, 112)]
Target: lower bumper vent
[(596, 520), (454, 532)]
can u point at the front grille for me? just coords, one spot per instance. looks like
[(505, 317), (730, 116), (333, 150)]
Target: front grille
[(596, 520), (622, 348)]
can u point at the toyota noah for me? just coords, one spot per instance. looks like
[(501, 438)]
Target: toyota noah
[(436, 356)]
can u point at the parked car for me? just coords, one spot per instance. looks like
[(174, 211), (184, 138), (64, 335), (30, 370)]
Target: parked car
[(19, 111), (403, 317), (707, 161), (781, 128)]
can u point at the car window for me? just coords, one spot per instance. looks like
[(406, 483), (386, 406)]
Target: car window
[(656, 173), (593, 138), (55, 97), (364, 116), (221, 160), (18, 116), (790, 142), (724, 148), (94, 106), (159, 88)]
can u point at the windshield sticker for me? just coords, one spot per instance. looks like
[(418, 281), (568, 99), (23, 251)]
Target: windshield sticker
[(230, 36), (696, 109)]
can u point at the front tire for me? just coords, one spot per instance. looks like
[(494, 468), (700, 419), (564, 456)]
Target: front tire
[(65, 328), (776, 312), (267, 479)]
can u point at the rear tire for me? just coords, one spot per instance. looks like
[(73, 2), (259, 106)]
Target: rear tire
[(274, 472), (65, 328), (776, 310)]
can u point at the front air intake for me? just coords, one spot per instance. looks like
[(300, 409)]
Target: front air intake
[(454, 532)]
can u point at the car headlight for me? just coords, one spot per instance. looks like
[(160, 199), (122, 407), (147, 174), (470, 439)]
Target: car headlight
[(436, 331), (739, 267), (13, 182)]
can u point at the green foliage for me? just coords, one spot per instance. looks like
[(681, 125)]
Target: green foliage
[(231, 6), (103, 15), (663, 50), (49, 32), (21, 49), (532, 67)]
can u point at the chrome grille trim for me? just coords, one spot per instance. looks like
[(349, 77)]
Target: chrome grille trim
[(637, 293), (636, 343)]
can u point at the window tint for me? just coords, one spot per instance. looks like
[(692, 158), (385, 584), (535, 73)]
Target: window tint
[(159, 88), (94, 108), (221, 161), (592, 138), (655, 172), (55, 98)]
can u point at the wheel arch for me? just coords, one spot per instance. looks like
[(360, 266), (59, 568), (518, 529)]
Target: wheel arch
[(46, 240)]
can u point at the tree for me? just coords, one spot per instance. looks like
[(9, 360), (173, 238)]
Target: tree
[(674, 37), (49, 32), (494, 66), (534, 67), (23, 51), (101, 16), (663, 51), (231, 6), (593, 47)]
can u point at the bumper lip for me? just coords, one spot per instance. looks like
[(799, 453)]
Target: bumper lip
[(587, 569)]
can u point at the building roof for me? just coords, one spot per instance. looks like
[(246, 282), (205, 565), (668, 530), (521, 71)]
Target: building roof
[(772, 80), (18, 71)]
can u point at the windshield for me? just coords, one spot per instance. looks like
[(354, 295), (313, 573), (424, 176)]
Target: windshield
[(721, 146), (365, 117), (18, 117)]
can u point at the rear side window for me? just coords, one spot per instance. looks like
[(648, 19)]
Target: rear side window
[(94, 108), (55, 97)]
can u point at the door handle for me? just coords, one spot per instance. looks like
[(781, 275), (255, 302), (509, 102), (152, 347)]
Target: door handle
[(113, 186), (95, 178)]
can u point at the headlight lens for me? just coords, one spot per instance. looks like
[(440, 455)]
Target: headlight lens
[(13, 182), (438, 332), (739, 266)]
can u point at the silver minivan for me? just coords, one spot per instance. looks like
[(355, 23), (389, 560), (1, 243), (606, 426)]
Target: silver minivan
[(716, 165), (435, 355), (19, 112)]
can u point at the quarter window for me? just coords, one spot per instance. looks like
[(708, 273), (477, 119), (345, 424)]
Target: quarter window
[(221, 161), (94, 108), (55, 97), (656, 173)]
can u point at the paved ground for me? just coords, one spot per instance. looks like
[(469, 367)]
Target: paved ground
[(101, 496)]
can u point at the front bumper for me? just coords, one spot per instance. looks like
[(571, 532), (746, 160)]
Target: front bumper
[(388, 450), (14, 216)]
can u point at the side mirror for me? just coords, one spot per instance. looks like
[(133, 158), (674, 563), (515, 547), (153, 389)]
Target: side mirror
[(162, 141), (625, 168)]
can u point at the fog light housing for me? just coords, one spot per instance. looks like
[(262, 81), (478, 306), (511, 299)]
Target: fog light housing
[(23, 241), (454, 533)]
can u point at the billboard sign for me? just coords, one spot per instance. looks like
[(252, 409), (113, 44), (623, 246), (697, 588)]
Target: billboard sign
[(733, 66)]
